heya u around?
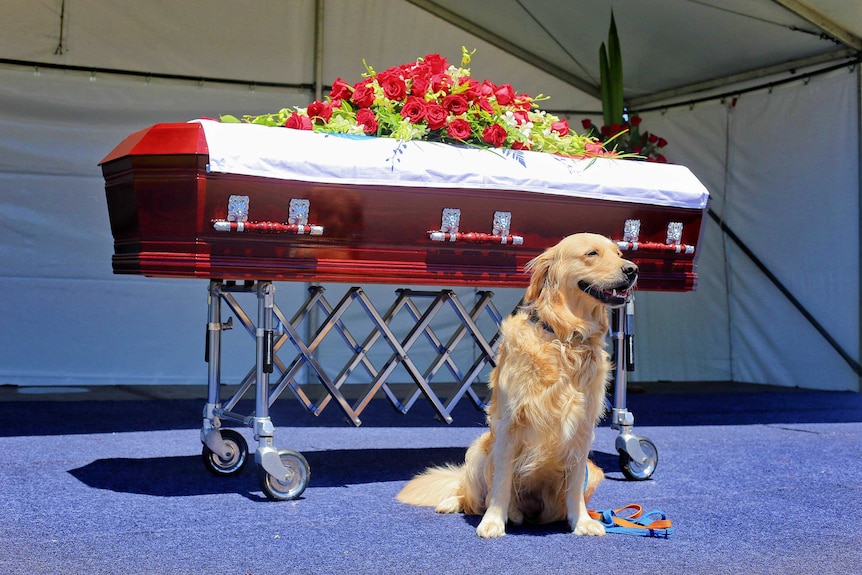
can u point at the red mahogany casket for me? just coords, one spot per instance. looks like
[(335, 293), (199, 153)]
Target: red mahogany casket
[(246, 202)]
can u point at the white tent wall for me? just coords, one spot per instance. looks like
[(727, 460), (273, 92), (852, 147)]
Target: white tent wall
[(782, 166)]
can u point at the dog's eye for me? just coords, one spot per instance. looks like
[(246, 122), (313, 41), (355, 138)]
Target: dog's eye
[(592, 254)]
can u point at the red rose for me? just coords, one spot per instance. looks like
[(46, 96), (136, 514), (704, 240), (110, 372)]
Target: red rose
[(393, 86), (487, 89), (458, 129), (587, 123), (661, 143), (561, 127), (653, 139), (363, 94), (471, 92), (298, 122), (414, 109), (441, 83), (436, 116), (437, 63), (521, 117), (485, 104), (635, 121), (366, 118), (516, 145), (661, 159), (596, 149), (495, 134), (456, 104), (320, 111), (340, 90), (505, 94), (419, 85)]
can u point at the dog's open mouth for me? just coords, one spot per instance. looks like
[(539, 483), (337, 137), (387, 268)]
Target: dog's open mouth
[(615, 296)]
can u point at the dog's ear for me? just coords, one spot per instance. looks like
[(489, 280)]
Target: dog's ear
[(539, 268)]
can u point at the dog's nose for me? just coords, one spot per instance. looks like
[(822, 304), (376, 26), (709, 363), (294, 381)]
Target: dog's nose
[(630, 270)]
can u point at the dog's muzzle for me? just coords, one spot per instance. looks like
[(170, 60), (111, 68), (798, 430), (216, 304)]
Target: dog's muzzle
[(615, 295)]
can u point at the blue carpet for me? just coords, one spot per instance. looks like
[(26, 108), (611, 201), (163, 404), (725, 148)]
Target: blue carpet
[(766, 483)]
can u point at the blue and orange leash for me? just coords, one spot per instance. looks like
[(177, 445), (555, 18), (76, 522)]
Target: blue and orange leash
[(631, 520)]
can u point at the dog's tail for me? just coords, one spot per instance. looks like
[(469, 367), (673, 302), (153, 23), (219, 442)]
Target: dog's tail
[(439, 487)]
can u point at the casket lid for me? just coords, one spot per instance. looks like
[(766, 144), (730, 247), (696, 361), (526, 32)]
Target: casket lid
[(162, 139)]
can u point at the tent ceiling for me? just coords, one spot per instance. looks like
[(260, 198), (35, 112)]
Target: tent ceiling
[(670, 47)]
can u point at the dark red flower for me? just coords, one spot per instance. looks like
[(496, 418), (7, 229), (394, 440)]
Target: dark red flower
[(458, 129), (366, 118), (437, 62), (653, 139), (320, 111), (456, 104), (363, 94), (635, 121), (393, 86), (561, 127), (495, 134), (298, 122), (341, 90), (516, 145), (414, 109), (505, 94), (587, 123), (485, 104), (419, 85), (436, 116), (661, 143)]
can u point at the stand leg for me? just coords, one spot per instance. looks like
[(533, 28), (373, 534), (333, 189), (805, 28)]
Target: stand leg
[(638, 455), (283, 474)]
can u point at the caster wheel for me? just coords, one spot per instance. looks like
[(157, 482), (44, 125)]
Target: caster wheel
[(293, 483), (236, 458), (635, 470)]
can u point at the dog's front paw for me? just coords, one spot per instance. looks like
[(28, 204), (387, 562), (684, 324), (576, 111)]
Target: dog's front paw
[(491, 527), (589, 527)]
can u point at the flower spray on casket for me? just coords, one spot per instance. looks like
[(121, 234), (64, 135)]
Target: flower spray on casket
[(428, 99)]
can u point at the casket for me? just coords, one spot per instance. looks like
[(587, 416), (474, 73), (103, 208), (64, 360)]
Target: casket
[(247, 202)]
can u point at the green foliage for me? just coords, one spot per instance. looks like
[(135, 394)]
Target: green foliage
[(611, 77)]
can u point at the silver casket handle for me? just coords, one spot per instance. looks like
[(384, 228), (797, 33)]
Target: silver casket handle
[(297, 222), (450, 224)]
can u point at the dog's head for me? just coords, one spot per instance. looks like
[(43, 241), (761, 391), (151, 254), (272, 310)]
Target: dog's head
[(584, 272)]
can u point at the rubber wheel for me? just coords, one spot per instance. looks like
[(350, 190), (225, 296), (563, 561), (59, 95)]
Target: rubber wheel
[(236, 459), (635, 470), (295, 481)]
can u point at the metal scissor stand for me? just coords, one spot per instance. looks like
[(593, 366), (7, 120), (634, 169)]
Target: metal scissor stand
[(284, 473)]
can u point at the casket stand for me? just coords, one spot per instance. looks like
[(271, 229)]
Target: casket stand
[(246, 205)]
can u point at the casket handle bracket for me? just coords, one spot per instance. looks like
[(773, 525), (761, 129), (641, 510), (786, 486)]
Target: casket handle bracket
[(673, 244), (297, 221), (450, 230)]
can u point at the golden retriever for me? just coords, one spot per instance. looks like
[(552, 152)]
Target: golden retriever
[(547, 393)]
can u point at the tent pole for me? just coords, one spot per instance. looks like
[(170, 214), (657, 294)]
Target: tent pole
[(848, 359), (859, 205)]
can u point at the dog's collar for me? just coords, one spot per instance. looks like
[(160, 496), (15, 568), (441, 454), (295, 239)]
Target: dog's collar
[(534, 318)]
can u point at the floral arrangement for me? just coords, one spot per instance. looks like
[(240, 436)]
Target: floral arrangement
[(627, 140), (621, 130), (430, 100)]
